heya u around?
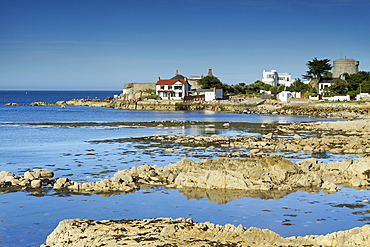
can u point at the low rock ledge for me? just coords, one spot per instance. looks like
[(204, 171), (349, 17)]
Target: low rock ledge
[(255, 174), (185, 232)]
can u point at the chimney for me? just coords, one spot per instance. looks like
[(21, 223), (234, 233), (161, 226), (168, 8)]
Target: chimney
[(177, 72), (159, 78), (210, 72)]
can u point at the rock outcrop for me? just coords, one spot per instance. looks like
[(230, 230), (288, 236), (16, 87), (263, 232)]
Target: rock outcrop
[(185, 232), (349, 143), (270, 173), (33, 179)]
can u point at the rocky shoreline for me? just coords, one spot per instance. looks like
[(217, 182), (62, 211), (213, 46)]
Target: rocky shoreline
[(251, 106), (185, 232)]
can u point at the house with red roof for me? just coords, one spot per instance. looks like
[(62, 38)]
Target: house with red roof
[(175, 88)]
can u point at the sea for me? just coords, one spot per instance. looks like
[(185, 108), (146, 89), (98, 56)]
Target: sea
[(82, 144)]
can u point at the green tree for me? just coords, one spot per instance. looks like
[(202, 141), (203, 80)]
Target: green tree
[(358, 82), (210, 82), (316, 68), (256, 86), (338, 87), (299, 86), (227, 88)]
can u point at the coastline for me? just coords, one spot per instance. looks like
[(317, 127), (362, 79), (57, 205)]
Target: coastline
[(319, 110)]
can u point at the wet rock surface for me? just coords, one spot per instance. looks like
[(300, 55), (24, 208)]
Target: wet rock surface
[(255, 174), (32, 179), (258, 174), (185, 232), (337, 137)]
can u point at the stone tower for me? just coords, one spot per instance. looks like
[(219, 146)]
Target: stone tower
[(345, 65), (210, 72)]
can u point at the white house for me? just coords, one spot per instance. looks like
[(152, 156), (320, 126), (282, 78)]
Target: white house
[(172, 88), (276, 79), (209, 94), (285, 95), (325, 83)]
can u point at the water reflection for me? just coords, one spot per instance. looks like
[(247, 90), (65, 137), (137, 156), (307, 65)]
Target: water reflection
[(225, 196)]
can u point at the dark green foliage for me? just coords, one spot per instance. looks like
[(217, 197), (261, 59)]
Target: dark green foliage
[(257, 86), (316, 68), (299, 86), (358, 83), (240, 88), (210, 82), (339, 87)]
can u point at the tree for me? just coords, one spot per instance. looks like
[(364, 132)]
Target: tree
[(338, 87), (210, 81), (299, 86), (358, 83), (316, 68), (257, 86)]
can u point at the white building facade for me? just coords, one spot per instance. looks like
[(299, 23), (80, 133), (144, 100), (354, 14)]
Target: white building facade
[(209, 94), (276, 79), (175, 89)]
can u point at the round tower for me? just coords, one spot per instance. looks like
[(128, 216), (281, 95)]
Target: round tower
[(345, 65)]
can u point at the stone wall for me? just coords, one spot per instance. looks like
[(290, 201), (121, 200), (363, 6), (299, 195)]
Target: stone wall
[(137, 86)]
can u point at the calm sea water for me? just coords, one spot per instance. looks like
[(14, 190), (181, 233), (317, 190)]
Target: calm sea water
[(28, 216)]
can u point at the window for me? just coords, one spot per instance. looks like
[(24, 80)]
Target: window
[(162, 87)]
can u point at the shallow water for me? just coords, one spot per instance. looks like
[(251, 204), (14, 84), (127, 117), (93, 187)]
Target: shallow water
[(28, 216)]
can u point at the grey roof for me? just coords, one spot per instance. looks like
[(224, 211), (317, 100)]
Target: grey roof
[(178, 77)]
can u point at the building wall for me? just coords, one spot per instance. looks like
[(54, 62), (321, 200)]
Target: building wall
[(193, 81), (345, 65), (138, 86), (174, 91), (285, 79), (270, 77), (276, 79)]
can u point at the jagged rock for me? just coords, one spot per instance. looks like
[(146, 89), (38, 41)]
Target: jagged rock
[(60, 183), (185, 232), (265, 173), (38, 104), (5, 175), (36, 183), (269, 135), (329, 186)]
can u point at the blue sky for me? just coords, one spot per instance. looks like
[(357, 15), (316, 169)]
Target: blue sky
[(100, 45)]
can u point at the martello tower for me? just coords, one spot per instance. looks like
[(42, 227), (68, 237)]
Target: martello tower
[(345, 65)]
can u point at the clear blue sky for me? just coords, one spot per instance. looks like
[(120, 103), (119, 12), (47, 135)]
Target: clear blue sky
[(95, 44)]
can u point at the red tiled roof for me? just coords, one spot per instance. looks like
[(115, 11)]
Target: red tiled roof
[(170, 82)]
